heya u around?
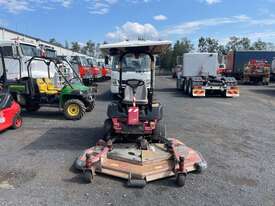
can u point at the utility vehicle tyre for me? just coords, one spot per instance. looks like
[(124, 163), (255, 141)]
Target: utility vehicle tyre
[(159, 133), (32, 107), (90, 107), (180, 179), (17, 122), (88, 176), (74, 109)]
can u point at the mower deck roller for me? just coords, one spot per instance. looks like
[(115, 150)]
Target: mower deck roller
[(138, 166)]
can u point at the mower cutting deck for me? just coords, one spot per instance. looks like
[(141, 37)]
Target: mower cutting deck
[(140, 166)]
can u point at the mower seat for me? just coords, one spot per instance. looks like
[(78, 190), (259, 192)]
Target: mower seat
[(141, 95)]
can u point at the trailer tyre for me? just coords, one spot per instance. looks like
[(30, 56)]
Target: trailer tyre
[(190, 90), (74, 109)]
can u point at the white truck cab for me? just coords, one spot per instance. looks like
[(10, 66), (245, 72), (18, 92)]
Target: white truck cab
[(16, 54)]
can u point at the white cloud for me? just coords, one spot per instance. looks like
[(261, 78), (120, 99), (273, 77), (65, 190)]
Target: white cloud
[(186, 28), (160, 17), (17, 6), (210, 2), (133, 31), (101, 6)]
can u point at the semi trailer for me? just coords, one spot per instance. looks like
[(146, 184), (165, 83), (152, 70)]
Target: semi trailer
[(199, 78), (236, 61)]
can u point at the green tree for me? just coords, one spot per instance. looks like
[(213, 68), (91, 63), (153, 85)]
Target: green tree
[(208, 44), (67, 44), (75, 47), (260, 45), (54, 42), (237, 44)]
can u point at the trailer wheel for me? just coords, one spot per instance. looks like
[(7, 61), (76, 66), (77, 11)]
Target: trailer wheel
[(184, 87), (180, 179), (74, 109), (88, 176), (190, 88)]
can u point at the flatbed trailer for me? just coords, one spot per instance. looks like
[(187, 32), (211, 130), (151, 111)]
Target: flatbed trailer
[(199, 77)]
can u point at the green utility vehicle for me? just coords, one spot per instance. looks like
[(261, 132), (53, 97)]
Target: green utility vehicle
[(56, 85)]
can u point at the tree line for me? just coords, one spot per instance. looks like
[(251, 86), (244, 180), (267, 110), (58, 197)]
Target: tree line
[(208, 44), (89, 48)]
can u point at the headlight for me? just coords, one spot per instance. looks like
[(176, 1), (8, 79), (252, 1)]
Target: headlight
[(2, 120)]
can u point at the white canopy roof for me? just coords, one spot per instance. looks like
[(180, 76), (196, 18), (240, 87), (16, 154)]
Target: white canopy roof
[(154, 47)]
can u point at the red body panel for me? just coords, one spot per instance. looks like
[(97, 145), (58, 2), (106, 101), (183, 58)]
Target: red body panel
[(133, 116), (8, 115)]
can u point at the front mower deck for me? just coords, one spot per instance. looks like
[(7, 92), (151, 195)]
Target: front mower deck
[(129, 162)]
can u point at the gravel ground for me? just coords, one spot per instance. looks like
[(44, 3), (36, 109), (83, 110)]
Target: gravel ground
[(236, 136)]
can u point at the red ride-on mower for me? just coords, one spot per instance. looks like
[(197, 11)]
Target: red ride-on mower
[(9, 112), (135, 146)]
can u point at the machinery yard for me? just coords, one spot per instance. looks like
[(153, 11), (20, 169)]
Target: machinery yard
[(236, 136)]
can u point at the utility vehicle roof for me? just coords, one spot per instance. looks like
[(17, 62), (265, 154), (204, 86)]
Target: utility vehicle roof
[(153, 47)]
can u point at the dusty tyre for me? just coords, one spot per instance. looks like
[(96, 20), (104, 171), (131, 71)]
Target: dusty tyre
[(90, 107), (180, 179), (74, 109), (88, 176), (17, 122), (190, 86), (32, 107), (159, 133)]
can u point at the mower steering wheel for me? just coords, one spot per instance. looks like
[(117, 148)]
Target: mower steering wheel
[(134, 83)]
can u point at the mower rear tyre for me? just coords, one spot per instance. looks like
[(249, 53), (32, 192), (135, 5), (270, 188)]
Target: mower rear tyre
[(74, 109), (17, 122), (159, 133)]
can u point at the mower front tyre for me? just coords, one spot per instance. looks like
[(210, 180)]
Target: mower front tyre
[(74, 109), (88, 176), (180, 179), (17, 122)]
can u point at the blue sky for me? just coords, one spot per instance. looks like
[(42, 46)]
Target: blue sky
[(113, 20)]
